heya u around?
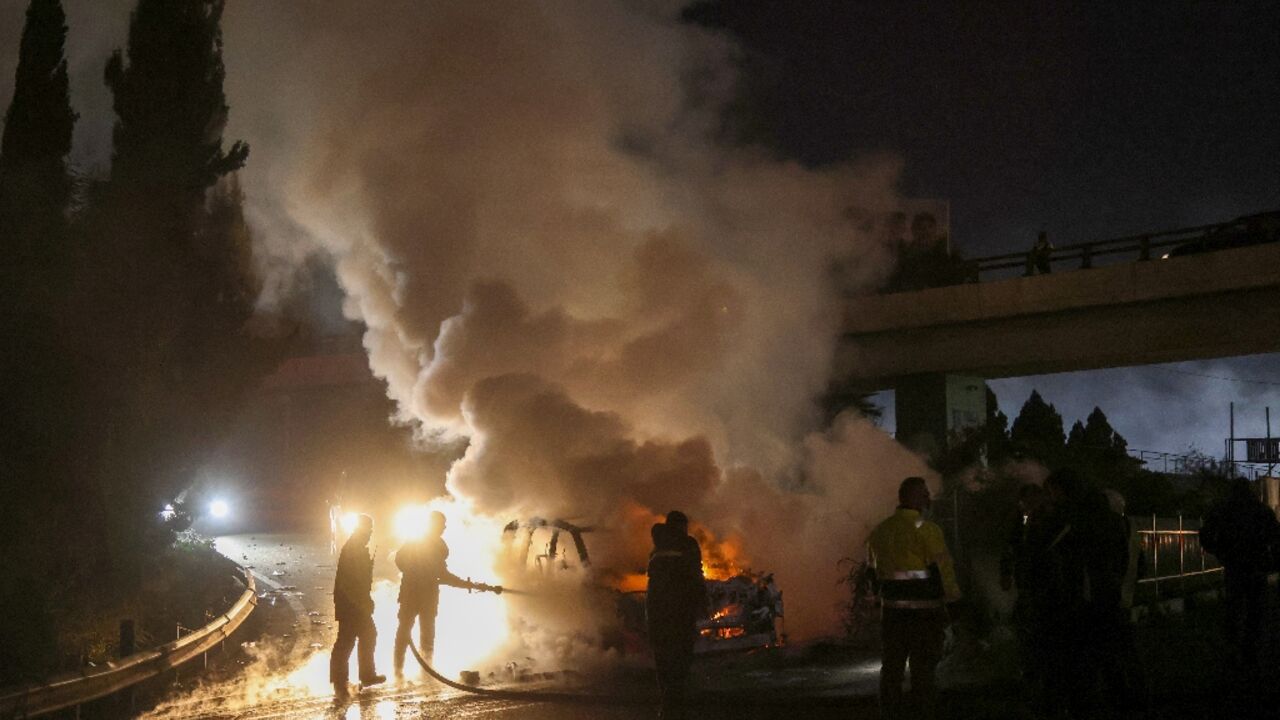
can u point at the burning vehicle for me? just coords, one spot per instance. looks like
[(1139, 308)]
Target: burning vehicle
[(745, 609), (746, 612)]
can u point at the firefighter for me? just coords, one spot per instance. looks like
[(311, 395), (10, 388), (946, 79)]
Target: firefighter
[(676, 598), (423, 569), (917, 582), (353, 609)]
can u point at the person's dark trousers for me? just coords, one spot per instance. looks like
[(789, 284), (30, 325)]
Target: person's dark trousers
[(350, 632), (672, 657), (913, 636), (1243, 607), (424, 613), (1123, 676)]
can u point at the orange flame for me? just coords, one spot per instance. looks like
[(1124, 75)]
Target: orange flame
[(721, 558)]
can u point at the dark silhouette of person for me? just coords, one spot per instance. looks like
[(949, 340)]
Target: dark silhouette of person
[(1079, 555), (676, 598), (1240, 531), (1123, 674), (1040, 255), (916, 579), (1016, 574), (353, 610), (423, 568)]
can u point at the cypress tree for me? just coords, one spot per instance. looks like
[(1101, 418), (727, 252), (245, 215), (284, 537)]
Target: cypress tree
[(35, 191), (170, 105), (1038, 430), (1099, 434), (996, 429), (35, 186), (173, 286)]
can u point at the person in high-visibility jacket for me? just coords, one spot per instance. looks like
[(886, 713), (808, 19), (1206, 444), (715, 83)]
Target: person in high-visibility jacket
[(917, 581)]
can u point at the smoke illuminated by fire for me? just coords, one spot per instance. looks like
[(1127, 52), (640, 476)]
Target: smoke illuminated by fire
[(531, 208), (556, 259)]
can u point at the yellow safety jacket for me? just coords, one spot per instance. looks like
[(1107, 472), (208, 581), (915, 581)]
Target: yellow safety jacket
[(911, 562)]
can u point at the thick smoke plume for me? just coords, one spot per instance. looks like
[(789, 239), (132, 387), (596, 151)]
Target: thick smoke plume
[(528, 208), (554, 258)]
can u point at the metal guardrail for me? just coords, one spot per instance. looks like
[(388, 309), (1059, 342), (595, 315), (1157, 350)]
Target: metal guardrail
[(1139, 247), (74, 689), (1174, 555)]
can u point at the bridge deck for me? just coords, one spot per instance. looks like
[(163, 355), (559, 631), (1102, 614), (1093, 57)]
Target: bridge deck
[(1216, 304)]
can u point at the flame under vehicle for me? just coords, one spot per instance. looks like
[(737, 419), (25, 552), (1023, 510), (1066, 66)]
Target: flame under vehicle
[(745, 609)]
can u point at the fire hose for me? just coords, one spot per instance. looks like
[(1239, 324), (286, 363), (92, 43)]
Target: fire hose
[(531, 695)]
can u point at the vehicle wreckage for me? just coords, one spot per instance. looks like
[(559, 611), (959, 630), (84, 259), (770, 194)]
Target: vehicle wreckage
[(745, 610)]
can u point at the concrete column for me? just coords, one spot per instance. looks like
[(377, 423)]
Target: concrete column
[(931, 407)]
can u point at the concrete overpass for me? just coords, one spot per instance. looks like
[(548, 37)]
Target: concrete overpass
[(1214, 304)]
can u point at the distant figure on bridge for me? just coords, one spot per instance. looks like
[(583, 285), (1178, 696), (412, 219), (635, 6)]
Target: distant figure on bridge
[(676, 598), (1040, 255), (423, 569), (917, 581), (353, 609), (1241, 531)]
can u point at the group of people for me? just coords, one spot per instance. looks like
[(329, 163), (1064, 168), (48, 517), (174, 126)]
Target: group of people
[(1074, 559), (423, 565), (676, 599), (1072, 556)]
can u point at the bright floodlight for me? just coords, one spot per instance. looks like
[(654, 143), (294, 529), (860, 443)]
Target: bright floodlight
[(411, 522), (219, 509), (349, 522)]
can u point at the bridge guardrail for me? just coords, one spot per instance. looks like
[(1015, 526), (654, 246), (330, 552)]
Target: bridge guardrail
[(1146, 246), (73, 689)]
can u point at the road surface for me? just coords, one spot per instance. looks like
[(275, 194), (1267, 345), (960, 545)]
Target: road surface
[(284, 672)]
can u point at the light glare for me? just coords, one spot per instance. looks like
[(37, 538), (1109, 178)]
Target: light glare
[(411, 522), (219, 509), (349, 522)]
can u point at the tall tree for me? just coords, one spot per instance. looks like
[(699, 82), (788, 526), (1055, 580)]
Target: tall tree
[(1099, 434), (1100, 453), (1037, 430), (35, 190), (996, 429), (35, 185), (170, 104), (172, 289)]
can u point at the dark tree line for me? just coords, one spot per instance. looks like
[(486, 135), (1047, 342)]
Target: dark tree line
[(1092, 447), (126, 302)]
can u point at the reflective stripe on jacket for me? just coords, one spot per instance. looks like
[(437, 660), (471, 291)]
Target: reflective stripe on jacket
[(911, 561)]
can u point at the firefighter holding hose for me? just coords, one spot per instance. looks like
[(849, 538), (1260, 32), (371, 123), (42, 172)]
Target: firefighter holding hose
[(917, 582), (424, 568)]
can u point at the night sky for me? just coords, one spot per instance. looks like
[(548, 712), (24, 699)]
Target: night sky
[(1087, 120)]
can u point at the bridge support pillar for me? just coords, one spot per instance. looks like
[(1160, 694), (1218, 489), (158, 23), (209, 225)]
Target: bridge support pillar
[(930, 408)]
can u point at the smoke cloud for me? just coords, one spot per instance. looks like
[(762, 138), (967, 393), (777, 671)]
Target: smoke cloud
[(528, 209)]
